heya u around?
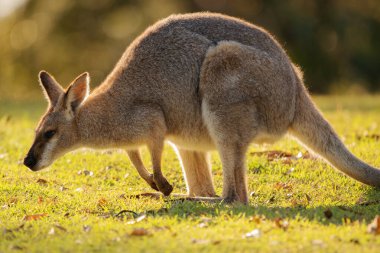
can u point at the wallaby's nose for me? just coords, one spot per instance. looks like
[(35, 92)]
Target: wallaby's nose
[(30, 161)]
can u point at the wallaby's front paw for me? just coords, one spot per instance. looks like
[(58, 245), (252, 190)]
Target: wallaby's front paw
[(164, 186), (152, 184)]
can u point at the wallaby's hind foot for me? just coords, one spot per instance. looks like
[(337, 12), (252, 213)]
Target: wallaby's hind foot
[(230, 197), (163, 185)]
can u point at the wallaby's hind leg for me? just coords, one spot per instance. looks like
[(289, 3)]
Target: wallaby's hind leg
[(232, 140), (234, 179), (197, 170), (163, 185), (134, 155)]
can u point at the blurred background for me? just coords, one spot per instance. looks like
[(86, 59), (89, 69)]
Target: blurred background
[(336, 42)]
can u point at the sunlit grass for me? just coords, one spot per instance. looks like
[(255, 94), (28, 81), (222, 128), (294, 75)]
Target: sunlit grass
[(81, 210)]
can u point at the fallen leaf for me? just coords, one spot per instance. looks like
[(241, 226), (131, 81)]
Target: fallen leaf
[(51, 231), (355, 241), (374, 226), (42, 181), (375, 137), (87, 228), (291, 170), (13, 200), (272, 198), (272, 154), (367, 203), (140, 232), (116, 239), (88, 173), (105, 215), (156, 228), (80, 189), (346, 220), (285, 186), (256, 233), (7, 118), (200, 241), (307, 155), (154, 195), (284, 157), (14, 229), (319, 243), (62, 188), (16, 247), (256, 218), (286, 161), (40, 200), (205, 222), (34, 217), (102, 202), (60, 227), (308, 198), (328, 214), (138, 219), (280, 223), (350, 210)]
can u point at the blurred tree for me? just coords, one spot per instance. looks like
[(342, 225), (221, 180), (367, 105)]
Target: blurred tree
[(334, 41)]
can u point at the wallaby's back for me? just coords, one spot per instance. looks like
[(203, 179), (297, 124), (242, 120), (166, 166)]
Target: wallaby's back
[(165, 62)]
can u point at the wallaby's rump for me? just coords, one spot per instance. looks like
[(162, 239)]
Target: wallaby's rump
[(202, 81)]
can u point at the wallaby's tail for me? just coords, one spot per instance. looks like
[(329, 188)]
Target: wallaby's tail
[(310, 127)]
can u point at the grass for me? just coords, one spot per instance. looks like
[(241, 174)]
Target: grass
[(79, 210)]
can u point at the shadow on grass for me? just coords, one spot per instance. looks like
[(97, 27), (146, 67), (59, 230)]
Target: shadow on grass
[(363, 211)]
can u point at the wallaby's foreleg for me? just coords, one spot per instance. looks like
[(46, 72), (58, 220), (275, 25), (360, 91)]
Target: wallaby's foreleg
[(197, 172), (163, 185), (134, 155)]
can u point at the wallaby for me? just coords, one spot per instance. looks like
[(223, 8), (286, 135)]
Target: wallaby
[(202, 81)]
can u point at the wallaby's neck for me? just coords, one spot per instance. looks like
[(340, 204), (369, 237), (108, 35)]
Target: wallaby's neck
[(95, 117)]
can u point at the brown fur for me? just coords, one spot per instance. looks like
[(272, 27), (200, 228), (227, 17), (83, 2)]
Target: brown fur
[(202, 81)]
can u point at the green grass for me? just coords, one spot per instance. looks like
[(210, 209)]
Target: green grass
[(81, 210)]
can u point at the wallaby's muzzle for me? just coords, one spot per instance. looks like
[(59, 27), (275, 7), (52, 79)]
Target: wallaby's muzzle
[(30, 161)]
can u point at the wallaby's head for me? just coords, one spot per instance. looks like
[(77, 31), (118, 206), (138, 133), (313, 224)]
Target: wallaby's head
[(57, 131)]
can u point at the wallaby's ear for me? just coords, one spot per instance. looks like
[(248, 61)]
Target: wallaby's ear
[(77, 92), (50, 86)]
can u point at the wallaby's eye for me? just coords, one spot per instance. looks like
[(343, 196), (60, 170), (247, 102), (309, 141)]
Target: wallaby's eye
[(49, 134)]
